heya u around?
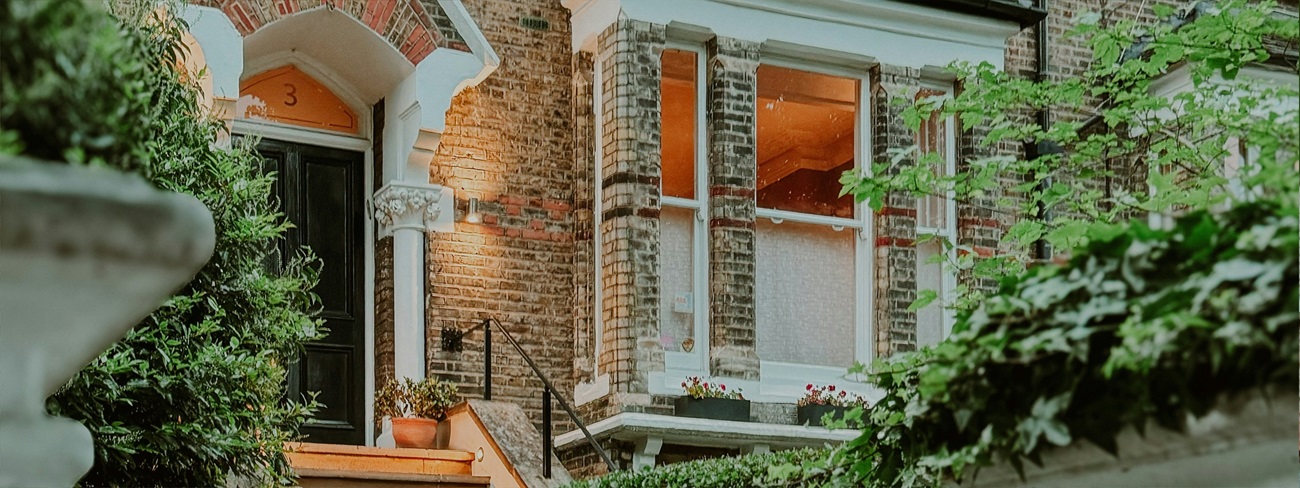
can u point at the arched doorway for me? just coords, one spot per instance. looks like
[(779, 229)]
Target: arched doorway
[(384, 91)]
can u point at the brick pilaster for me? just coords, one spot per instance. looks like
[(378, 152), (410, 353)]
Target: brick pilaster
[(630, 172), (979, 226), (732, 94), (895, 280)]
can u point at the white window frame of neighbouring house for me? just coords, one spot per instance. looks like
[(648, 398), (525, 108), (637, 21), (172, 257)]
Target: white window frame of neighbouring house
[(943, 234)]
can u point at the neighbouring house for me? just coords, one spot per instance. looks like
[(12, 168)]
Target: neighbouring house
[(639, 191)]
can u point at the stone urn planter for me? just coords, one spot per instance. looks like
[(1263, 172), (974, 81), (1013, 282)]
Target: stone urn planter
[(85, 253), (712, 408), (811, 415)]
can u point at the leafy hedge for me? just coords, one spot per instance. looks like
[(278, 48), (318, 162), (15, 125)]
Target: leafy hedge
[(724, 472), (1142, 324), (195, 394)]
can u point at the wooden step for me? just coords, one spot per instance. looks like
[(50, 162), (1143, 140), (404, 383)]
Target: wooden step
[(339, 466)]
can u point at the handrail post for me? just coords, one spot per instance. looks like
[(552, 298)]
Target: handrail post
[(546, 433), (546, 392), (487, 359)]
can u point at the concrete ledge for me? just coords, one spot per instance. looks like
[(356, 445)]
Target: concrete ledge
[(632, 426), (1246, 442)]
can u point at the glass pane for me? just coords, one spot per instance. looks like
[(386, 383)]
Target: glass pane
[(678, 118), (676, 268), (804, 289), (806, 124), (326, 208), (929, 276)]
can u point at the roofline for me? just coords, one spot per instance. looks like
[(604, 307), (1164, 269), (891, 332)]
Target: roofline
[(995, 9)]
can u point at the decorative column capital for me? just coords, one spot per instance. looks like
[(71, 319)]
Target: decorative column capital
[(415, 206)]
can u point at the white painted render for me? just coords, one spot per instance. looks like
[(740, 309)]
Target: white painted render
[(885, 31)]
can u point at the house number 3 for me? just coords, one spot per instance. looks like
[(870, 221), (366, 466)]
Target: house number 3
[(293, 97)]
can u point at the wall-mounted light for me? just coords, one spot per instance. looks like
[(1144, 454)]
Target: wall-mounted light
[(472, 215)]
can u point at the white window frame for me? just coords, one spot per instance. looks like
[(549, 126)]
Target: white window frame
[(697, 360), (949, 229), (599, 386), (785, 381)]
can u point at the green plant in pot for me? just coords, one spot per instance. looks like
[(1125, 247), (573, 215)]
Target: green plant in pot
[(416, 409), (711, 401)]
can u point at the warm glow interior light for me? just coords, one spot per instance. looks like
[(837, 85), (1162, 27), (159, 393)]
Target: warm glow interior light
[(471, 215)]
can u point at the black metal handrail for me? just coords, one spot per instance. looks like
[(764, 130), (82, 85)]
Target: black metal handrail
[(547, 440)]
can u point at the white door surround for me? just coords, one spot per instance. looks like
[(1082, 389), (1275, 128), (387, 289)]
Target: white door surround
[(362, 68)]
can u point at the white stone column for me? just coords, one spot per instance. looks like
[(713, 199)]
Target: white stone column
[(406, 211)]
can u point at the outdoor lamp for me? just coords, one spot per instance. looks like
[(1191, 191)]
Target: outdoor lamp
[(471, 215)]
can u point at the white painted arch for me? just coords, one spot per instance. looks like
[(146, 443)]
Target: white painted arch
[(361, 67)]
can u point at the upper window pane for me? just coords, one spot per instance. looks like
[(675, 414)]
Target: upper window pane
[(678, 119), (932, 138), (806, 138)]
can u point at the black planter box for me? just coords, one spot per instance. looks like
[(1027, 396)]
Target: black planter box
[(812, 414), (712, 408)]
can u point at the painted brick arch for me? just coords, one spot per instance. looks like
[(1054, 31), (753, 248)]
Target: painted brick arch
[(405, 24)]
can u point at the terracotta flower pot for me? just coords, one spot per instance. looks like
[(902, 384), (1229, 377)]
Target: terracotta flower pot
[(416, 433)]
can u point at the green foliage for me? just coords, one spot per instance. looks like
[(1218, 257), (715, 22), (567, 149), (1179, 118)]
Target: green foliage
[(771, 469), (1141, 153), (1141, 325), (74, 84), (194, 395), (428, 398)]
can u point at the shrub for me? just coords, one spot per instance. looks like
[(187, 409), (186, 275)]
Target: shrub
[(1142, 324), (725, 472), (195, 394), (75, 85)]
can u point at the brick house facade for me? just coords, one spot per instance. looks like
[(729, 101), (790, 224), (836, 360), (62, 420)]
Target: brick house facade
[(635, 225)]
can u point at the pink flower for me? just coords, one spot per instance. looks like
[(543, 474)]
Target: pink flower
[(831, 388), (683, 384), (809, 387), (842, 393)]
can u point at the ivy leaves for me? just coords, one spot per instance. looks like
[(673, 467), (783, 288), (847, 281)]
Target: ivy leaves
[(1142, 324)]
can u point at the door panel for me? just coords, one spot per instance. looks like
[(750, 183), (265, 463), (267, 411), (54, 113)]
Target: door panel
[(320, 191)]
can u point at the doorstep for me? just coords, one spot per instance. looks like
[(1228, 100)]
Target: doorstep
[(332, 465)]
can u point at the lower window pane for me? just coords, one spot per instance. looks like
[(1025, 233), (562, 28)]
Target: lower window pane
[(929, 276), (804, 293), (676, 300)]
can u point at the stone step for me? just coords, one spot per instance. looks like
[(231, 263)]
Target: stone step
[(339, 466)]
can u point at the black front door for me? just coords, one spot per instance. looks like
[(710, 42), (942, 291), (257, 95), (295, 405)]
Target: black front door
[(320, 191)]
